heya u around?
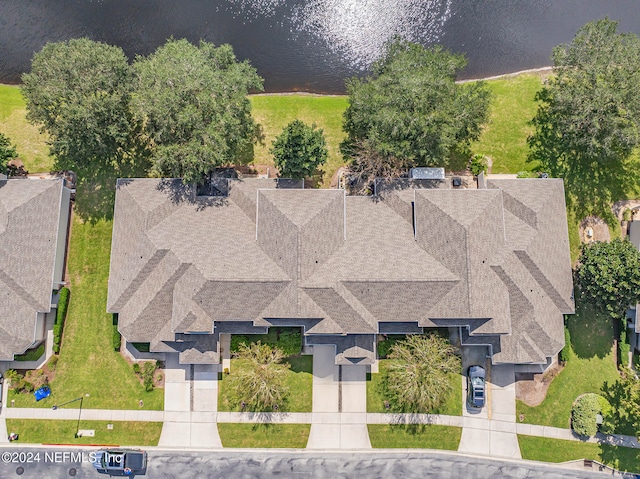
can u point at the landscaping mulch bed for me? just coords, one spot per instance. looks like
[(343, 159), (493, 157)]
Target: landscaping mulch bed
[(531, 388)]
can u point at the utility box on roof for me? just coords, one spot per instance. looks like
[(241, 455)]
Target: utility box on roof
[(427, 173)]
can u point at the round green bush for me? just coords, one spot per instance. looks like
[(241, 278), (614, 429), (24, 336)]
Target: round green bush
[(584, 411)]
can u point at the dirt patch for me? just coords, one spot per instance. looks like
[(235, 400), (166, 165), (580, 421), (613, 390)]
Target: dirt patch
[(593, 228), (531, 388)]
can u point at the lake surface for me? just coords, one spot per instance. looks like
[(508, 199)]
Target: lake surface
[(311, 45)]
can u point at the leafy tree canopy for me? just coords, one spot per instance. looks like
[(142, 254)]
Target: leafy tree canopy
[(193, 100), (608, 275), (7, 152), (299, 150), (410, 111), (418, 378), (79, 93), (588, 118)]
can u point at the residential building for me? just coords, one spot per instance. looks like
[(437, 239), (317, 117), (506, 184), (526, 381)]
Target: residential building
[(34, 223), (492, 263)]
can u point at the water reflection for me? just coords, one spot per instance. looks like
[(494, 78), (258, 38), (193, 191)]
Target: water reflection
[(357, 30)]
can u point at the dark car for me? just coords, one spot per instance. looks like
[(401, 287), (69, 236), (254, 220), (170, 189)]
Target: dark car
[(475, 386), (121, 462)]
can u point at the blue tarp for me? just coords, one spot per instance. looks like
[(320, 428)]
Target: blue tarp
[(43, 392)]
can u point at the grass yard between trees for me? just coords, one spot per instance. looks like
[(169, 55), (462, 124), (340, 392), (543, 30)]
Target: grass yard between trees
[(559, 450), (422, 436), (88, 363), (274, 112), (31, 144), (264, 435), (591, 363), (124, 433)]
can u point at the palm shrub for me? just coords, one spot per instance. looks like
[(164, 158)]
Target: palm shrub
[(478, 164), (418, 377), (261, 385)]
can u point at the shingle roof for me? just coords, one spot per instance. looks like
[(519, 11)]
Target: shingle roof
[(493, 260), (29, 218)]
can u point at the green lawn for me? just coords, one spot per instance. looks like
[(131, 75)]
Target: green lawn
[(591, 363), (88, 364), (31, 145), (558, 450), (512, 107), (299, 381), (424, 436), (274, 112), (264, 435), (375, 397), (124, 433)]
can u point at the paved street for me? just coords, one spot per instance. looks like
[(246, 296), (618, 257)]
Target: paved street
[(307, 464)]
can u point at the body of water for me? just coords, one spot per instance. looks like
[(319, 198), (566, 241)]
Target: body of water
[(311, 45)]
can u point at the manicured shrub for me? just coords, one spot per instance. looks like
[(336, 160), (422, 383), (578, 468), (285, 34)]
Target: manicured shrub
[(31, 354), (623, 345), (565, 352), (289, 340), (584, 411), (136, 368), (117, 338)]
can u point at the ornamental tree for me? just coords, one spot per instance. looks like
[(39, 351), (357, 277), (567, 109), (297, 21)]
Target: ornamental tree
[(259, 383), (419, 369), (608, 275), (588, 119), (410, 111), (193, 102), (299, 150)]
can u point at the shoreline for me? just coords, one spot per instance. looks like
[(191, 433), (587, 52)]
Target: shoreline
[(308, 93)]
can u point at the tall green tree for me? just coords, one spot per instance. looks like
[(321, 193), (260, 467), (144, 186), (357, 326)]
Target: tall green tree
[(299, 150), (193, 101), (79, 92), (588, 119), (418, 377), (262, 384), (7, 152), (410, 112), (608, 275)]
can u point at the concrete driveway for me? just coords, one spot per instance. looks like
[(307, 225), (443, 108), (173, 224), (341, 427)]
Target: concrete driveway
[(480, 435), (339, 408)]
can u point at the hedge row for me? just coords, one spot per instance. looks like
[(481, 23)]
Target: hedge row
[(61, 315), (116, 338)]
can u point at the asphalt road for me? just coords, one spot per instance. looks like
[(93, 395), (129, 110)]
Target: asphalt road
[(60, 462)]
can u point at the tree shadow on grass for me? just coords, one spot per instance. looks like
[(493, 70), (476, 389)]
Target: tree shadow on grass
[(96, 189), (618, 418), (591, 331), (622, 458)]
